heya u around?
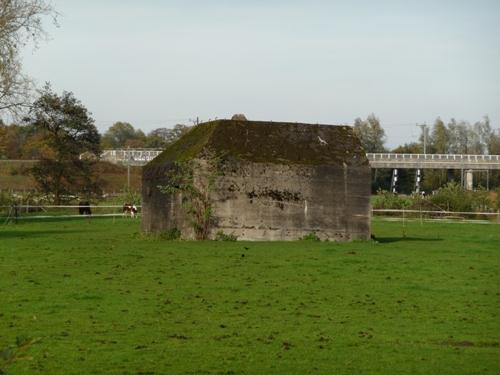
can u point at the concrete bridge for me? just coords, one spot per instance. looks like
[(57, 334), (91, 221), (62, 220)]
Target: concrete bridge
[(434, 161), (466, 163), (136, 157), (380, 160)]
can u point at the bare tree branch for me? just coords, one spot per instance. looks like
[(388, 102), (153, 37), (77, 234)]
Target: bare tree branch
[(20, 23)]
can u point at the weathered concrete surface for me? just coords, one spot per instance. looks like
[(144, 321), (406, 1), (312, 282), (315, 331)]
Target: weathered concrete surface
[(276, 200), (469, 179)]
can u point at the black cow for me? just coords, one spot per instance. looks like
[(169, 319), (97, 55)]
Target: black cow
[(84, 208)]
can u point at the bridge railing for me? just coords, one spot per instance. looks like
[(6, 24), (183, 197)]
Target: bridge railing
[(433, 157), (130, 155)]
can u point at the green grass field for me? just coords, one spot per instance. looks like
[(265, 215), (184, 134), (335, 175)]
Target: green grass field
[(99, 298)]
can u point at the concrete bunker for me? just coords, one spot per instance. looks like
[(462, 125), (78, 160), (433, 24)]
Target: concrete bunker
[(262, 181)]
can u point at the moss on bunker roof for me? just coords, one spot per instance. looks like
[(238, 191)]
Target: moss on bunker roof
[(268, 142)]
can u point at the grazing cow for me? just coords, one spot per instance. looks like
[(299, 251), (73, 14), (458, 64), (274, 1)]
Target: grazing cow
[(84, 208), (130, 209)]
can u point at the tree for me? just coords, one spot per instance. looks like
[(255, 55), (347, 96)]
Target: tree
[(494, 144), (162, 137), (425, 139), (371, 133), (122, 134), (13, 141), (20, 23), (408, 148), (439, 137), (465, 138), (153, 140), (458, 137), (67, 131), (481, 134)]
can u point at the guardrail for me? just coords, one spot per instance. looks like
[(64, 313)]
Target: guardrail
[(436, 157), (433, 161), (130, 156)]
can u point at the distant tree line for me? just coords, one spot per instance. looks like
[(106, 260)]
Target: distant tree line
[(124, 135), (60, 133), (24, 140), (455, 137)]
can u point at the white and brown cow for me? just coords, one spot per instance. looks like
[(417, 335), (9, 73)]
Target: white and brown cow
[(130, 209)]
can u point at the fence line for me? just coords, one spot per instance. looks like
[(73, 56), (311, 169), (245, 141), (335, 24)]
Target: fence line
[(435, 212), (301, 204), (60, 216), (18, 211), (439, 220), (62, 206)]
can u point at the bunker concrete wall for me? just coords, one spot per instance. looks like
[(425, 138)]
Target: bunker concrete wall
[(267, 201), (276, 202), (160, 211)]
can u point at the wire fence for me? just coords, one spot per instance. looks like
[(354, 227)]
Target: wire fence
[(13, 213), (438, 215)]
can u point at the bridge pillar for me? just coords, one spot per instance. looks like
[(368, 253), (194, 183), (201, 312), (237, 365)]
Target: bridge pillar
[(394, 180), (469, 181), (450, 175), (417, 181)]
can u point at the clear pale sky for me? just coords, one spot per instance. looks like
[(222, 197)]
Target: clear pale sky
[(158, 63)]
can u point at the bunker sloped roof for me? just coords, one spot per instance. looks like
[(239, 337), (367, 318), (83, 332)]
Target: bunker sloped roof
[(268, 142)]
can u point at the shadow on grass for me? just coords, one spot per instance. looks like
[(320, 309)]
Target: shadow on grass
[(34, 233), (400, 239)]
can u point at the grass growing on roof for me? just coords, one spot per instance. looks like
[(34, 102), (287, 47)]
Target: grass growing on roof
[(101, 298), (268, 142)]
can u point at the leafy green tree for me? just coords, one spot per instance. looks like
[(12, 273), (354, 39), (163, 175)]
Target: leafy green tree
[(155, 141), (138, 141), (425, 140), (408, 148), (162, 137), (480, 138), (439, 137), (14, 140), (371, 133), (67, 131), (118, 134), (122, 135), (458, 137)]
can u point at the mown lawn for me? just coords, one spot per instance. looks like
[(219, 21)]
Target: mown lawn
[(102, 299)]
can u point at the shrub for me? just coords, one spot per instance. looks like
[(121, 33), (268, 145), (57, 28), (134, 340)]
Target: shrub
[(221, 236), (6, 199), (387, 200), (481, 200), (496, 202), (452, 197), (171, 234), (311, 237)]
